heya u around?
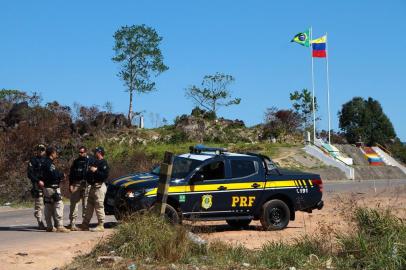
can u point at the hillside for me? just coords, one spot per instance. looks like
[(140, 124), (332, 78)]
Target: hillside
[(131, 149)]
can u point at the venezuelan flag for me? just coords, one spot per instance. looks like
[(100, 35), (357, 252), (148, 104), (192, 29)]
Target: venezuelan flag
[(319, 47)]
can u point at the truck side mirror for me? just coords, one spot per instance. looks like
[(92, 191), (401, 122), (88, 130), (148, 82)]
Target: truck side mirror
[(197, 177)]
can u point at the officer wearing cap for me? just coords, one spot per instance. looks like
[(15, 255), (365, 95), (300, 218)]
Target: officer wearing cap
[(52, 192), (78, 186), (96, 177), (34, 174)]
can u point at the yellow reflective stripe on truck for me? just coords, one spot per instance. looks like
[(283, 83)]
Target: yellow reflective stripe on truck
[(230, 187)]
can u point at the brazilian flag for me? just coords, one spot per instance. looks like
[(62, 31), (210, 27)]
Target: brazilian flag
[(302, 38)]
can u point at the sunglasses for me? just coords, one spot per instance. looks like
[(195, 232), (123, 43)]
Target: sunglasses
[(81, 152)]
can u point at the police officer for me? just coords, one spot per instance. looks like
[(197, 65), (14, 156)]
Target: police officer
[(34, 174), (52, 192), (78, 186), (97, 175)]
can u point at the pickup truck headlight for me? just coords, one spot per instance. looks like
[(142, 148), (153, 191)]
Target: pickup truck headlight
[(132, 194), (135, 193)]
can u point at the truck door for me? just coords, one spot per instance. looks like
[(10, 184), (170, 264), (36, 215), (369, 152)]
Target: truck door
[(245, 184), (204, 194)]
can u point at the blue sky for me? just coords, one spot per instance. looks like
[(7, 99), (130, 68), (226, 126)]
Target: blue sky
[(63, 49)]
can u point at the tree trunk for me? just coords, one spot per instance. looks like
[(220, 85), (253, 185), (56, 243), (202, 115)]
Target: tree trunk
[(130, 109)]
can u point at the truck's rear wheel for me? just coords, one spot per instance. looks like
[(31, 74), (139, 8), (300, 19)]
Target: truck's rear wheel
[(239, 223), (275, 215)]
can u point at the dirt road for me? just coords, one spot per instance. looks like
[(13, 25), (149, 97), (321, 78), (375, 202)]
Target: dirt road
[(24, 247)]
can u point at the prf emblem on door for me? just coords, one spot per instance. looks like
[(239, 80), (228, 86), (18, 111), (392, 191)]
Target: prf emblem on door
[(207, 201)]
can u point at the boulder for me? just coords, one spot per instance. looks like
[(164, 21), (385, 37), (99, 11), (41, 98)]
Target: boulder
[(19, 112), (110, 121)]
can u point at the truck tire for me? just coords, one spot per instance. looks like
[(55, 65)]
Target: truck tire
[(121, 213), (172, 215), (275, 215), (239, 223)]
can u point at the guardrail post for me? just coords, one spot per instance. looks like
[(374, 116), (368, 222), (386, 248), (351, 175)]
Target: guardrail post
[(164, 179)]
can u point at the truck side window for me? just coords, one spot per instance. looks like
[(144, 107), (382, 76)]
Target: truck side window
[(213, 171), (243, 168)]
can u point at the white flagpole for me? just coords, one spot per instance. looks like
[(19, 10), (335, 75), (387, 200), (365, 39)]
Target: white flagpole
[(314, 112), (328, 94)]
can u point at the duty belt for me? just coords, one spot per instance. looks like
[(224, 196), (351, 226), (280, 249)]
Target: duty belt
[(52, 186)]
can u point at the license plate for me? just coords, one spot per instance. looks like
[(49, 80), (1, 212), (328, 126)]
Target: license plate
[(110, 201)]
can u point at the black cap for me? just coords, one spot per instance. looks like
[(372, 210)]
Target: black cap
[(99, 149), (40, 147)]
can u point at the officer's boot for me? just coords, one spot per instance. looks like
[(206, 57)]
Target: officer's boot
[(99, 228), (62, 229), (72, 225), (51, 229), (84, 226), (41, 225)]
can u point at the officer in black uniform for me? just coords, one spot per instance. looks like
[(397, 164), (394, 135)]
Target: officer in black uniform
[(78, 186), (97, 175), (34, 174), (52, 192)]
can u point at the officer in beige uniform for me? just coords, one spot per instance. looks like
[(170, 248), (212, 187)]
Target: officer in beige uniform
[(52, 192), (78, 186), (97, 175)]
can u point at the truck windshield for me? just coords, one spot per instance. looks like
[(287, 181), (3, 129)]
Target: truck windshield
[(181, 167)]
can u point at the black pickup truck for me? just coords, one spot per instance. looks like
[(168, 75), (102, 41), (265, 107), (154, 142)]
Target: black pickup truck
[(213, 184)]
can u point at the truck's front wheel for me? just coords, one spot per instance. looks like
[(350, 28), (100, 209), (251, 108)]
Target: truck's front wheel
[(275, 215)]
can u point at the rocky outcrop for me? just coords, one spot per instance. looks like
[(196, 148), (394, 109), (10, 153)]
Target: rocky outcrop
[(18, 113), (221, 130), (110, 121)]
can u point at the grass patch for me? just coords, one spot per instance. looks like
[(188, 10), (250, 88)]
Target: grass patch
[(377, 242)]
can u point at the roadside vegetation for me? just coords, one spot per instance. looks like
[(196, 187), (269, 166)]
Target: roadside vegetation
[(148, 242)]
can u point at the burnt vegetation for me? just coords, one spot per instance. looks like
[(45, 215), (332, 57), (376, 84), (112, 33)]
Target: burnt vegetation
[(25, 122)]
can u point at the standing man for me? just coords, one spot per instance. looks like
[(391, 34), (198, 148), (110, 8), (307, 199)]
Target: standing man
[(97, 175), (52, 192), (34, 174), (78, 186)]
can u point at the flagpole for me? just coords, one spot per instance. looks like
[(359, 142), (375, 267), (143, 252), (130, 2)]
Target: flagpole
[(313, 106), (328, 93)]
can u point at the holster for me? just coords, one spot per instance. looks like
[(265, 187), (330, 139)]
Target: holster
[(36, 191), (56, 197)]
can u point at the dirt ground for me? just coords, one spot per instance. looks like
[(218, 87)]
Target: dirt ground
[(38, 255), (333, 217)]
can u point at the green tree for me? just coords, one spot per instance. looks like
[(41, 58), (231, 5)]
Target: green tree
[(138, 53), (365, 120), (213, 93), (303, 105)]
